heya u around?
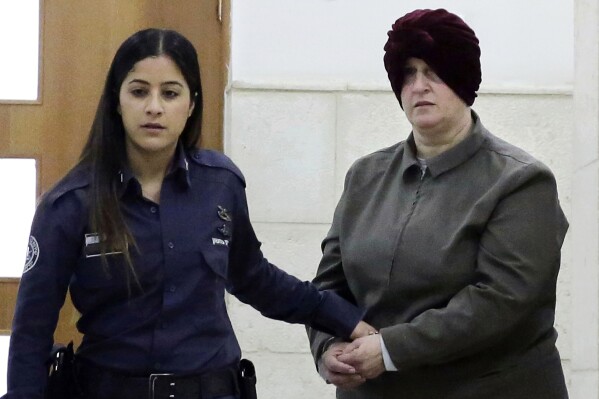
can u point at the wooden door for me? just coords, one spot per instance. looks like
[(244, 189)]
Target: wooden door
[(79, 39)]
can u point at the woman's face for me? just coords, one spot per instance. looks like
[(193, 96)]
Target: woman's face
[(154, 102), (429, 104)]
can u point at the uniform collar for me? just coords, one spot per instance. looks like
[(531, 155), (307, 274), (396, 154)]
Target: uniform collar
[(126, 180), (451, 158), (180, 168)]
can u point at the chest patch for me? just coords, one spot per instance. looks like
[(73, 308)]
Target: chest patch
[(220, 241), (33, 254)]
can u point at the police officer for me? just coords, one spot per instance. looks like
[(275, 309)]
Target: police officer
[(147, 232)]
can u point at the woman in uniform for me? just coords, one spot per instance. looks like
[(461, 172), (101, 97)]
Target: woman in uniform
[(148, 232)]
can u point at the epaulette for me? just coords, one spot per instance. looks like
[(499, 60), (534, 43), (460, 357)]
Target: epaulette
[(216, 159), (78, 177)]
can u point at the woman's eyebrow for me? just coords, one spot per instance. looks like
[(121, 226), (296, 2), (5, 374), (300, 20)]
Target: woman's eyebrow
[(138, 81), (169, 82), (172, 82)]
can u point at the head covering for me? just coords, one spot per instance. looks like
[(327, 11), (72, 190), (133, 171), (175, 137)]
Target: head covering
[(444, 42)]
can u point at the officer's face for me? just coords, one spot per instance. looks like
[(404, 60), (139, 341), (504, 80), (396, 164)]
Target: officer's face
[(154, 102)]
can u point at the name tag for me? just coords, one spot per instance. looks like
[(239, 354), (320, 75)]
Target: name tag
[(93, 248), (220, 241)]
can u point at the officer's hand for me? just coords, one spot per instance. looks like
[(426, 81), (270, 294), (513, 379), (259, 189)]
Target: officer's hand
[(365, 355), (333, 371), (362, 330)]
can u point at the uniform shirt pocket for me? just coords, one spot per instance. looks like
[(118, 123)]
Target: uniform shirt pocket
[(95, 273), (216, 256)]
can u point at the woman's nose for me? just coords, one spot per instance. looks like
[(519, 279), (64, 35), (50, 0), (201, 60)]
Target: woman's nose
[(154, 105), (420, 82)]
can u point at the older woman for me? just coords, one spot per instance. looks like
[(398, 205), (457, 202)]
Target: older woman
[(450, 239)]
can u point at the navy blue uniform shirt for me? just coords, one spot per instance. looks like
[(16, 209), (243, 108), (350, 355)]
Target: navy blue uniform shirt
[(171, 316)]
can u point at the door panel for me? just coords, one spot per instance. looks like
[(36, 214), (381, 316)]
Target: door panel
[(79, 39), (8, 294)]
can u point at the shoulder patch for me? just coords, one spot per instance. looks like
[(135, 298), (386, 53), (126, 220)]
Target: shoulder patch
[(33, 254), (216, 159)]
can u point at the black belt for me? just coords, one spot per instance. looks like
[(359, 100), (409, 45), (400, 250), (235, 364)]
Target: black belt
[(157, 386), (207, 385)]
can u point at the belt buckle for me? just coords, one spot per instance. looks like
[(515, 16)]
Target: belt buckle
[(152, 385)]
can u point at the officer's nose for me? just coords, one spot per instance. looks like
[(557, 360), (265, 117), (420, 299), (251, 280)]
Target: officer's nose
[(154, 105)]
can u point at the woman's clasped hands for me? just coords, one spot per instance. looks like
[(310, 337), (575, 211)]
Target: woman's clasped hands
[(349, 364)]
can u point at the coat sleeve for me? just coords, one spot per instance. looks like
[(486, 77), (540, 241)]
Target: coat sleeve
[(330, 275), (275, 293), (53, 250), (516, 273)]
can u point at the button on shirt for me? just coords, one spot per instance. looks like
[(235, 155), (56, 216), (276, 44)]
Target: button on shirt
[(170, 314)]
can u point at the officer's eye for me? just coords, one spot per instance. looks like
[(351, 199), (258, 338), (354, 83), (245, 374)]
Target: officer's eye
[(170, 94), (138, 92)]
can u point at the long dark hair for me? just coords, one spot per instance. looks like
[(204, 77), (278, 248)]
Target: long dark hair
[(105, 154)]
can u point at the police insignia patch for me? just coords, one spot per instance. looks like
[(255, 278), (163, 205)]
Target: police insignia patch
[(33, 253)]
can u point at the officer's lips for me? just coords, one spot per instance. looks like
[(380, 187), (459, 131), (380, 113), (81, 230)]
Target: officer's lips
[(153, 126)]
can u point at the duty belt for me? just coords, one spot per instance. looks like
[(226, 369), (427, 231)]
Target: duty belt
[(162, 386), (208, 385)]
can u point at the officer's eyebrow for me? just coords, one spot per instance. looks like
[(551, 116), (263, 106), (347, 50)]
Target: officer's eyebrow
[(169, 82)]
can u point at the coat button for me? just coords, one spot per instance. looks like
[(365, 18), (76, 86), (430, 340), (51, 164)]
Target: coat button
[(171, 245)]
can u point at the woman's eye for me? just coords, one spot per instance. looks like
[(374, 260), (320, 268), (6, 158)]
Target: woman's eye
[(432, 75), (170, 94), (409, 75), (138, 92), (407, 72)]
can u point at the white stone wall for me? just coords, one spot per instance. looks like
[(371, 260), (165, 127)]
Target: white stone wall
[(295, 145), (525, 44), (585, 204)]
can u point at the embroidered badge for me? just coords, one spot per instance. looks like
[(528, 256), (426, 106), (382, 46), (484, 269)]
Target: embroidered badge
[(225, 230), (223, 213), (33, 254), (220, 241)]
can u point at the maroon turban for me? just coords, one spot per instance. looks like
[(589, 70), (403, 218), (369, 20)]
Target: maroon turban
[(444, 42)]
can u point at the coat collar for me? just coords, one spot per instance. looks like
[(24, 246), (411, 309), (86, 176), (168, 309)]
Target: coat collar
[(449, 159)]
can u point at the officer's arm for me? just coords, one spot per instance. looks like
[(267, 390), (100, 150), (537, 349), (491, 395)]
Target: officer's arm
[(52, 252), (275, 293)]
